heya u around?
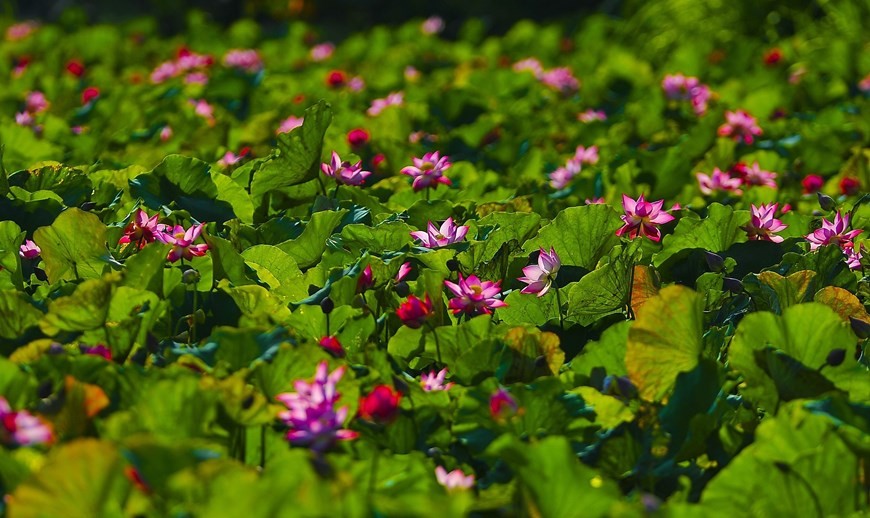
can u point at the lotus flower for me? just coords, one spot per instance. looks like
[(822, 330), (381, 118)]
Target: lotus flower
[(246, 60), (449, 233), (686, 88), (455, 480), (29, 250), (289, 124), (344, 172), (812, 183), (432, 25), (379, 105), (560, 79), (415, 312), (435, 380), (850, 186), (36, 102), (763, 224), (853, 255), (541, 276), (591, 115), (502, 405), (365, 280), (322, 51), (833, 233), (428, 171), (718, 182), (473, 296), (380, 406), (739, 126), (182, 242), (312, 417), (331, 345), (642, 218), (141, 230), (562, 176), (404, 270), (586, 155), (755, 175), (22, 428)]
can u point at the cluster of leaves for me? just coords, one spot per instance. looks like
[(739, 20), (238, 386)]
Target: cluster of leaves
[(700, 375)]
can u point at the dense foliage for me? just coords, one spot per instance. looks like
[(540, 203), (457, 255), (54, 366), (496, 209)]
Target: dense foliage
[(611, 269)]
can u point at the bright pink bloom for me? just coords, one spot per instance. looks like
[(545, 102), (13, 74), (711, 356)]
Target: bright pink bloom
[(344, 172), (312, 417), (331, 345), (718, 181), (289, 124), (415, 312), (36, 102), (455, 480), (380, 406), (165, 133), (529, 64), (404, 270), (434, 237), (763, 224), (678, 87), (19, 31), (588, 156), (502, 405), (182, 242), (432, 25), (739, 126), (356, 84), (29, 250), (560, 79), (591, 115), (365, 280), (541, 276), (189, 60), (755, 175), (562, 176), (336, 79), (196, 78), (595, 201), (75, 67), (97, 350), (322, 51), (231, 159), (473, 296), (428, 171), (379, 105), (164, 71), (864, 84), (246, 60), (833, 233), (812, 183), (642, 218), (89, 94), (850, 186), (22, 428), (24, 119), (141, 230), (202, 108), (853, 255), (435, 381), (357, 138)]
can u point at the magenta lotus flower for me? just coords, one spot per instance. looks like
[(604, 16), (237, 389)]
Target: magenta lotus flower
[(379, 105), (455, 480), (414, 312), (473, 296), (502, 405), (763, 225), (595, 201), (448, 234), (182, 242), (541, 276), (686, 88), (21, 30), (331, 345), (36, 102), (435, 380), (344, 172), (864, 84), (586, 155), (141, 230), (196, 78), (642, 218), (29, 250), (22, 428), (833, 233), (24, 119), (755, 175), (592, 115), (428, 171), (718, 181), (365, 280), (165, 133), (562, 176), (739, 125), (203, 109), (164, 71), (246, 60), (853, 254), (313, 420), (560, 79), (289, 124), (404, 270), (322, 51)]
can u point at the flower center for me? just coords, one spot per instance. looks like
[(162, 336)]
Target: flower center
[(477, 289)]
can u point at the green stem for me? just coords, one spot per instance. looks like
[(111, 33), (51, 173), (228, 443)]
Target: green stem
[(559, 303), (263, 447), (327, 323), (437, 343), (373, 478)]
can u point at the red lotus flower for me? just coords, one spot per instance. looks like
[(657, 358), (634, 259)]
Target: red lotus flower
[(414, 312), (850, 186), (75, 67), (812, 183), (357, 138), (336, 79), (381, 406), (772, 57), (89, 94), (332, 346), (365, 280)]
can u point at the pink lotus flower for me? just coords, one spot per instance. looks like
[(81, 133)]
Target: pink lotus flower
[(322, 51), (456, 480), (196, 78), (331, 345), (685, 88), (246, 60), (529, 64), (763, 224), (562, 176), (473, 296), (365, 280), (404, 270), (202, 108), (289, 124), (182, 242), (379, 105), (358, 137), (428, 171), (435, 380), (97, 350), (164, 71), (344, 172), (642, 218), (24, 119), (165, 133), (22, 428), (141, 230), (19, 31), (864, 84), (591, 115), (739, 126), (588, 156), (189, 60), (853, 255), (415, 312), (448, 234), (833, 233), (560, 79), (718, 182), (36, 102), (502, 405), (595, 201), (29, 250), (755, 175), (541, 276), (356, 84), (411, 74), (432, 25), (230, 159), (312, 417)]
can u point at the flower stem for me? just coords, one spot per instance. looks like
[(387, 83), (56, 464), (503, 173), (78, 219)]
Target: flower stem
[(559, 303), (437, 343), (373, 477)]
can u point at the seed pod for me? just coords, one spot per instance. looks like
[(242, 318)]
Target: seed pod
[(327, 305)]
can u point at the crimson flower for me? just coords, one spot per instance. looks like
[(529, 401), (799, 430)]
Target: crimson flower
[(850, 186), (75, 67), (473, 296), (89, 94), (365, 280), (357, 137), (380, 406), (502, 405), (763, 224), (414, 312), (182, 242), (642, 218), (812, 183), (331, 345)]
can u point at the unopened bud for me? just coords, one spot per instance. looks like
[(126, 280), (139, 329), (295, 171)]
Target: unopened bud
[(714, 261), (836, 357), (733, 285), (190, 276), (327, 305), (826, 202), (402, 289), (861, 328)]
